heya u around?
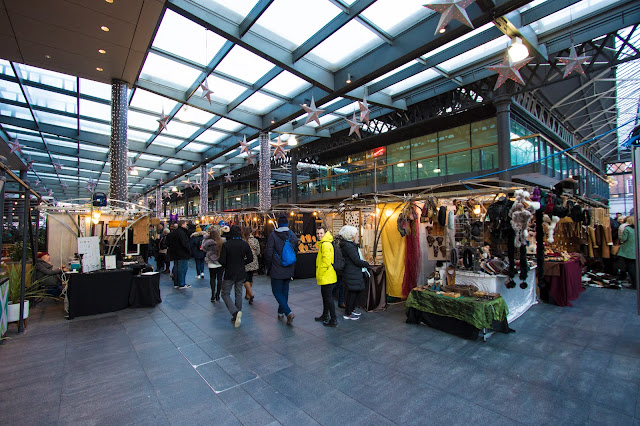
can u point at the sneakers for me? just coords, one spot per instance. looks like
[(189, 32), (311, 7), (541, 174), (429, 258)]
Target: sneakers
[(251, 300), (176, 286), (184, 286), (290, 318), (202, 275), (280, 316), (238, 319), (197, 277), (356, 313), (331, 323), (351, 317)]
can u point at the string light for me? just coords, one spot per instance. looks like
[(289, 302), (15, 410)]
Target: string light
[(119, 145), (264, 173), (204, 191)]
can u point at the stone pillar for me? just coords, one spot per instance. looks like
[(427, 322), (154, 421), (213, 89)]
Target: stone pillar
[(204, 191), (119, 146), (264, 173), (221, 194), (294, 177), (503, 119)]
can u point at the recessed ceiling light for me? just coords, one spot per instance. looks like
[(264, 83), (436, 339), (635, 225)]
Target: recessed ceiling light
[(102, 51), (99, 69), (47, 56), (109, 1), (104, 28)]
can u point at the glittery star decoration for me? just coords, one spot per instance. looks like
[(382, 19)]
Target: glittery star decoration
[(244, 146), (164, 119), (64, 186), (165, 194), (91, 185), (57, 166), (450, 9), (29, 162), (364, 110), (37, 183), (50, 193), (508, 70), (313, 112), (15, 146), (228, 177), (573, 62), (354, 126), (186, 181), (279, 151), (251, 159), (211, 173), (206, 92), (179, 193)]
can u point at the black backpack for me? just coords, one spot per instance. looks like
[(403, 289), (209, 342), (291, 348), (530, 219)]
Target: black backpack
[(338, 258)]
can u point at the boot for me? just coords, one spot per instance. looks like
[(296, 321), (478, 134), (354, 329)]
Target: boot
[(333, 322), (322, 318)]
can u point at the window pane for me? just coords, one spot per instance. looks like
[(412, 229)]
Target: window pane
[(484, 133), (399, 153), (426, 146), (454, 140)]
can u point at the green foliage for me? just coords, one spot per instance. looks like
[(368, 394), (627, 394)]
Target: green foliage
[(16, 251), (15, 277)]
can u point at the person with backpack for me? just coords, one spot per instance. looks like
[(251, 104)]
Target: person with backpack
[(279, 260), (195, 245), (326, 276), (354, 268)]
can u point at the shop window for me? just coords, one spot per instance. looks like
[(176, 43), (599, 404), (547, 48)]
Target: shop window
[(398, 154), (629, 187), (457, 141), (426, 146), (484, 133)]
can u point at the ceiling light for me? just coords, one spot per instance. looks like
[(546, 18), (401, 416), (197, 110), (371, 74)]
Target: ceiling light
[(104, 28), (348, 78), (419, 165), (134, 172), (292, 141), (102, 51), (436, 170), (99, 69), (517, 51), (442, 30), (47, 56), (400, 164), (273, 120), (238, 199), (174, 189), (109, 1)]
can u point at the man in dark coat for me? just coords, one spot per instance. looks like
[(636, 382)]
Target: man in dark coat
[(280, 275), (235, 254), (178, 241), (49, 277)]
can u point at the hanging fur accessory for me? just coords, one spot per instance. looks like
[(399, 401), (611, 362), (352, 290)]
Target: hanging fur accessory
[(535, 194), (412, 256), (550, 204), (549, 226), (510, 283), (442, 216), (498, 219), (520, 218)]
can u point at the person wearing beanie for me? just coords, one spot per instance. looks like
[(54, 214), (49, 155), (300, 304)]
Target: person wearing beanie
[(180, 253), (280, 275), (49, 277), (234, 256)]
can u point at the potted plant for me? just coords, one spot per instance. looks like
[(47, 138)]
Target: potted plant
[(31, 291)]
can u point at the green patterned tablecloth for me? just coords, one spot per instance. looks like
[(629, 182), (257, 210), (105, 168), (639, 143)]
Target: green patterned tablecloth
[(467, 309)]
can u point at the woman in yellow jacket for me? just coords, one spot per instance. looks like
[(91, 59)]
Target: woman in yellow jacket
[(326, 277)]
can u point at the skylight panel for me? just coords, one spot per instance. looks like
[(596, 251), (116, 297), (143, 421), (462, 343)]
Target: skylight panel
[(196, 147), (167, 141), (149, 157), (176, 128), (259, 103), (5, 68), (393, 16), (194, 115), (211, 137), (15, 111), (148, 101), (244, 65), (475, 54), (324, 119), (92, 126), (29, 137), (413, 81), (136, 135), (51, 100), (224, 91), (287, 84), (228, 125), (58, 142), (235, 10), (95, 89), (144, 121), (94, 148), (170, 73), (185, 38), (458, 40), (349, 109), (95, 110), (11, 91), (49, 78), (348, 43), (56, 119), (573, 12), (174, 161), (281, 22)]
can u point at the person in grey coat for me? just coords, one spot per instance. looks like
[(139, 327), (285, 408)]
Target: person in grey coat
[(354, 268)]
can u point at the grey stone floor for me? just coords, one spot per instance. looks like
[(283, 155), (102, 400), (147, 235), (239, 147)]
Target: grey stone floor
[(184, 363)]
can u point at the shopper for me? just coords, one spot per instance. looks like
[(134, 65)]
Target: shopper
[(195, 245), (164, 263), (235, 255), (251, 268), (212, 247), (354, 268), (280, 275), (47, 277), (338, 287), (326, 277), (180, 254), (627, 249)]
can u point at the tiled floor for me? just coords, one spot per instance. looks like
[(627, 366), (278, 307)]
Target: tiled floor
[(183, 362)]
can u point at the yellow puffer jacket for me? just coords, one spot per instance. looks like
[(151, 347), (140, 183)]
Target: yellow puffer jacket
[(325, 274)]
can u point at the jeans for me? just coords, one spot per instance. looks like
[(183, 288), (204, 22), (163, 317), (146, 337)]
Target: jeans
[(226, 295), (352, 297), (338, 289), (180, 272), (215, 282), (160, 257), (280, 290), (199, 266), (328, 307)]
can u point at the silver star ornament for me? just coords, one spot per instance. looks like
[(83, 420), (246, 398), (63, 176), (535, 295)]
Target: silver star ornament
[(450, 9), (313, 112), (508, 70), (573, 62)]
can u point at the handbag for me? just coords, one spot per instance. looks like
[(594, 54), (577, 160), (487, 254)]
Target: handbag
[(615, 248)]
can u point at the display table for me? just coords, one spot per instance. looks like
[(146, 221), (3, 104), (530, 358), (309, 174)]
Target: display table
[(565, 281), (98, 292), (518, 300), (145, 290), (465, 316), (305, 265)]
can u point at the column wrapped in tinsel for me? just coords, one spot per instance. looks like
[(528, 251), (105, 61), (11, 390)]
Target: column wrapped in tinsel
[(204, 191), (264, 169), (158, 202), (119, 146)]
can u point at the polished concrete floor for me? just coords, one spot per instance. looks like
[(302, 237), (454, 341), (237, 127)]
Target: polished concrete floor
[(183, 362)]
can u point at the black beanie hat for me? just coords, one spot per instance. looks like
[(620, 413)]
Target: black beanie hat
[(283, 220)]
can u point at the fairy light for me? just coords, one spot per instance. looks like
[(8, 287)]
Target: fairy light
[(264, 173), (158, 202), (119, 145), (204, 191)]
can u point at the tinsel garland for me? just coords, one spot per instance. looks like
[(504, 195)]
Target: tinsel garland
[(412, 259), (264, 173)]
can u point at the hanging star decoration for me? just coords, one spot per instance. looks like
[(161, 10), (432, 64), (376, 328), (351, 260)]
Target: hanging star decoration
[(131, 166), (57, 166), (16, 146), (165, 194), (508, 70), (313, 112), (37, 183), (573, 62), (244, 146), (50, 193), (364, 110), (64, 186), (279, 151), (354, 126), (228, 177), (251, 159), (206, 92), (91, 185), (164, 119), (179, 193), (29, 162), (450, 9), (211, 173)]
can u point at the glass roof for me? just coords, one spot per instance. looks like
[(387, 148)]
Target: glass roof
[(244, 65), (346, 44), (394, 16)]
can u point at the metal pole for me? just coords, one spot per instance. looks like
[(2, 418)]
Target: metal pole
[(635, 158), (23, 273), (3, 180), (375, 177)]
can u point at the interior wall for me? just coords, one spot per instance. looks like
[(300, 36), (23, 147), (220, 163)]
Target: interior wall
[(62, 244)]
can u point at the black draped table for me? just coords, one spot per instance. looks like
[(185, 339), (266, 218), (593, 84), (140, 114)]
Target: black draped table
[(145, 290), (98, 292), (305, 265)]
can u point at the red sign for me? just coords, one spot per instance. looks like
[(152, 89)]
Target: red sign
[(379, 151)]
